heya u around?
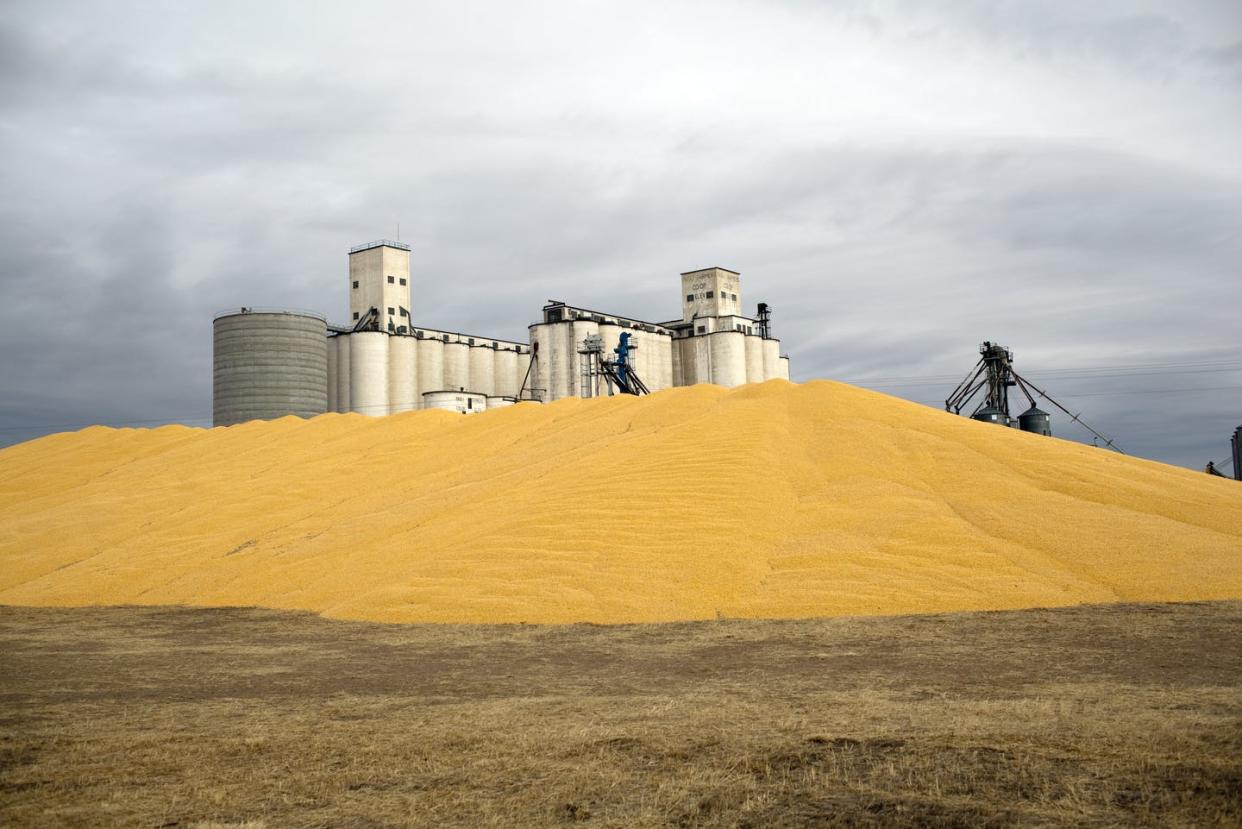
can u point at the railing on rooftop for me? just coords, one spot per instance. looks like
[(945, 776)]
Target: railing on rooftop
[(380, 243), (251, 309)]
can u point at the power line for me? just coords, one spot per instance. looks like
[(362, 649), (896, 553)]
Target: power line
[(1065, 374)]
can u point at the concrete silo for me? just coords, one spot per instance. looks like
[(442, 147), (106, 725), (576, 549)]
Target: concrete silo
[(268, 364), (456, 367), (368, 373), (402, 379), (429, 362), (505, 372), (481, 363), (728, 358), (754, 359), (772, 360)]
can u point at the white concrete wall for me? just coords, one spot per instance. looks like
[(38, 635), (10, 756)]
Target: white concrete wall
[(499, 401), (783, 372), (482, 370), (368, 373), (401, 375), (728, 356), (754, 359)]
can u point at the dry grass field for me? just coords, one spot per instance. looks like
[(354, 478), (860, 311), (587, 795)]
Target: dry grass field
[(1089, 716)]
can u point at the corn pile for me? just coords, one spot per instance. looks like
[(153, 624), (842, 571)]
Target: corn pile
[(773, 500)]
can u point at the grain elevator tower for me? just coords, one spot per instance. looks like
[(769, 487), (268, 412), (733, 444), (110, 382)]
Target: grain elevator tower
[(379, 278), (711, 292)]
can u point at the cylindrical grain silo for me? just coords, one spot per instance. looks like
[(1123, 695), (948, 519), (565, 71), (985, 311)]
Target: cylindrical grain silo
[(343, 348), (504, 371), (702, 358), (368, 373), (540, 373), (1035, 420), (991, 414), (783, 368), (728, 350), (332, 372), (754, 359), (610, 335), (690, 361), (268, 365), (646, 363), (481, 362), (666, 361), (525, 375), (401, 380), (456, 367), (771, 359), (571, 379), (677, 377), (429, 363), (417, 396)]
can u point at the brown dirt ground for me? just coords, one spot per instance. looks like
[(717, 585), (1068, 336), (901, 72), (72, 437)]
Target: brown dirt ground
[(177, 717)]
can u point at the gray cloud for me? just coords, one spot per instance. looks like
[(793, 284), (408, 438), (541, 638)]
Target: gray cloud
[(898, 184)]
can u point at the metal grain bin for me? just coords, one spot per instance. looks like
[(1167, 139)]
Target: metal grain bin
[(268, 364), (1035, 420), (990, 414)]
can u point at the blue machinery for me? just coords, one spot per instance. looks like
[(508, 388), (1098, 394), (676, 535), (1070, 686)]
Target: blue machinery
[(618, 372), (626, 379)]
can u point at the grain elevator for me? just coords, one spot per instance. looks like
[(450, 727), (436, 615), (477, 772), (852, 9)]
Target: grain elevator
[(272, 363)]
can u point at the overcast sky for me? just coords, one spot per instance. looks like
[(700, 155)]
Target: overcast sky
[(900, 181)]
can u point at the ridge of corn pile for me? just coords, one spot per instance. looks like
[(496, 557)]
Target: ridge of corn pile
[(773, 501)]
